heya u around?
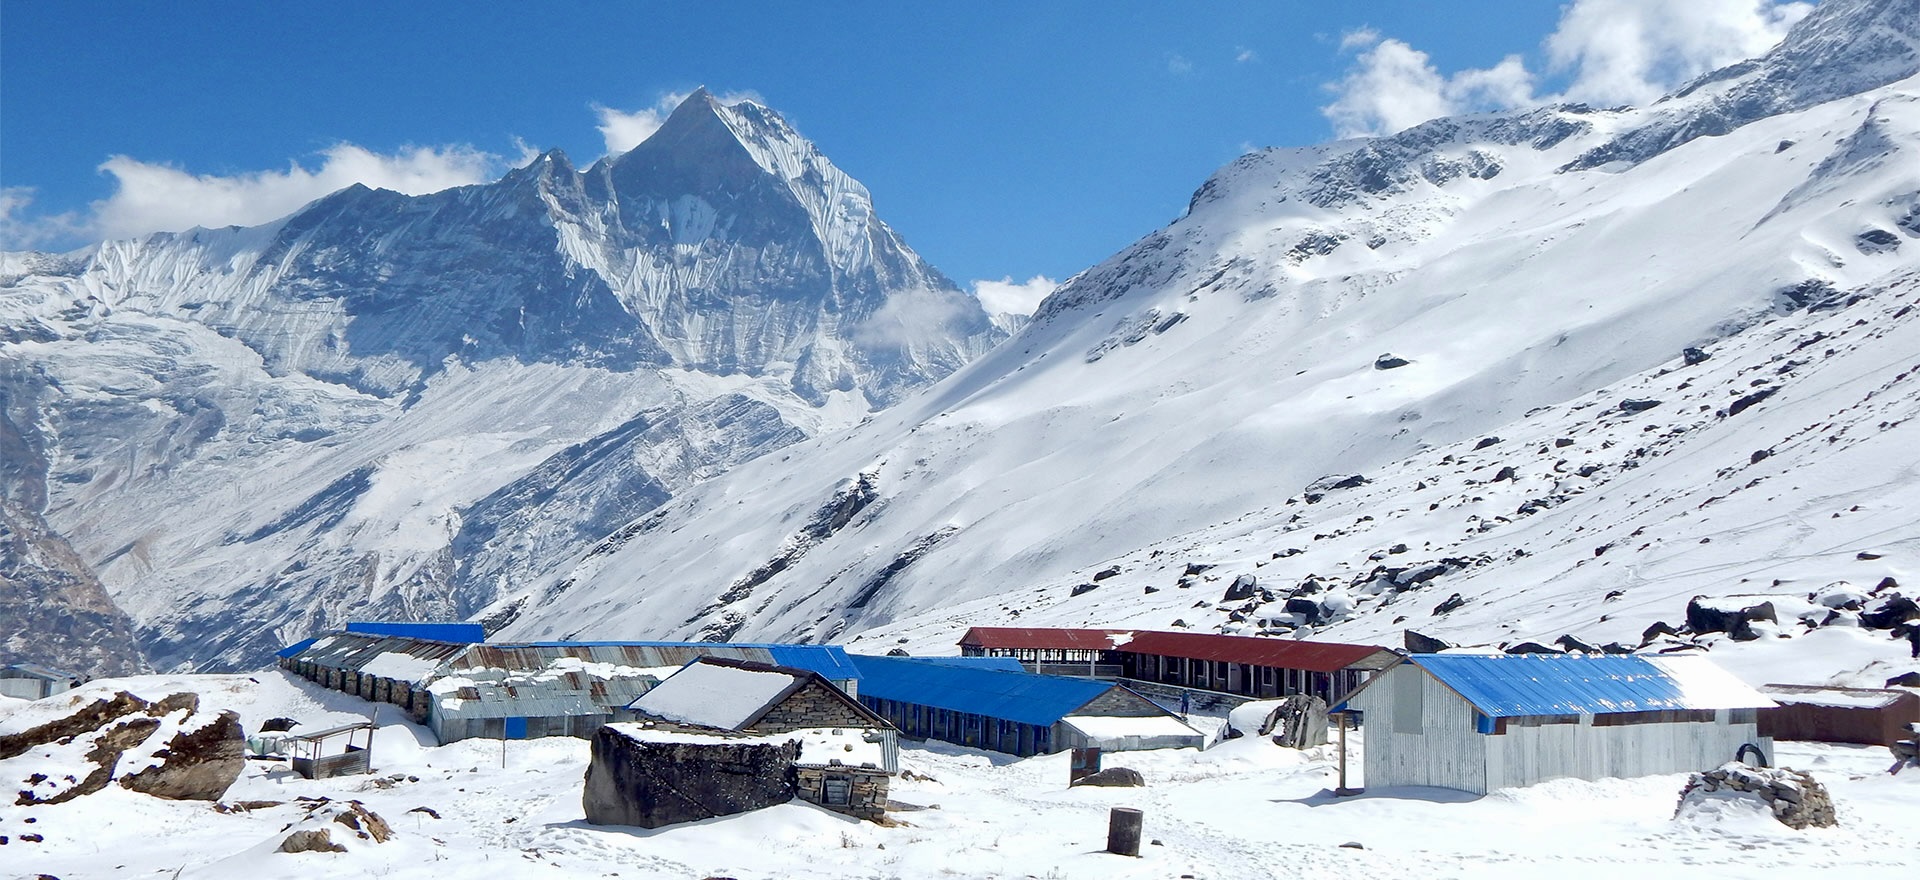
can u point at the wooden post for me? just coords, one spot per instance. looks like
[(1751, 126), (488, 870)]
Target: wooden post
[(1123, 831), (1343, 790)]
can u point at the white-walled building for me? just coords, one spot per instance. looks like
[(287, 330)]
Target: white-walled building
[(1482, 722)]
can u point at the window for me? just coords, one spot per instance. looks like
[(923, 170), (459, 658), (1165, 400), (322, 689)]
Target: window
[(1409, 700), (836, 790)]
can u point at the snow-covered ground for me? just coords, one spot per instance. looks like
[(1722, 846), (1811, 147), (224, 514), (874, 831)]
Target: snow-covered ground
[(1245, 808)]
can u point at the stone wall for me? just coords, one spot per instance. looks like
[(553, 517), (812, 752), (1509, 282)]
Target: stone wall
[(867, 789), (817, 704), (1118, 702), (651, 784)]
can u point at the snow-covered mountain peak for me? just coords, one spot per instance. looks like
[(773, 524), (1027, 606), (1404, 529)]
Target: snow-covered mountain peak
[(1842, 48)]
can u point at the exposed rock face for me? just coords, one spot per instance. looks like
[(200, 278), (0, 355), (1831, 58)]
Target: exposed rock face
[(1793, 796), (1423, 644), (58, 613), (199, 760), (652, 784), (197, 765)]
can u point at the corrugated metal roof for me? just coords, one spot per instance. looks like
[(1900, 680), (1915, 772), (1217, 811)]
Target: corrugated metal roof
[(830, 661), (1014, 696), (1277, 652), (439, 631), (1517, 685), (36, 671), (296, 647), (352, 651)]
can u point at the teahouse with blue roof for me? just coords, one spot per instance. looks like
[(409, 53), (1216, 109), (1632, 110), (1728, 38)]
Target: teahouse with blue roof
[(1482, 722)]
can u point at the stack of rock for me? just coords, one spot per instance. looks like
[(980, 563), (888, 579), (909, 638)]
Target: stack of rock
[(1794, 797)]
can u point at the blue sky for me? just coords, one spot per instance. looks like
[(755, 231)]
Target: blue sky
[(1002, 140)]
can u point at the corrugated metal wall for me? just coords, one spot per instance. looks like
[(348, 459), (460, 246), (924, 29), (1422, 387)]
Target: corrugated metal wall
[(1418, 732)]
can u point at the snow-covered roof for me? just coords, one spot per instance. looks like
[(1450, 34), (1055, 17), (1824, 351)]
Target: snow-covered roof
[(1516, 685), (721, 695), (1112, 727)]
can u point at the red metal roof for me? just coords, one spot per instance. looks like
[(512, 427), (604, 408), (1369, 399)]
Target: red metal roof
[(1281, 653)]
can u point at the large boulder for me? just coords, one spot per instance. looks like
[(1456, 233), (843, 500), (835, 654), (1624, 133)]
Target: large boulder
[(197, 764), (1113, 777), (634, 778)]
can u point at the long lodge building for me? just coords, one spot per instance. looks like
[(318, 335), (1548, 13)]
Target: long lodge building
[(1240, 665)]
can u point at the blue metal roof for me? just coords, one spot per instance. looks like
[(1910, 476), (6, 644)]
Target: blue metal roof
[(296, 647), (449, 631), (1015, 696), (1005, 664), (1515, 685)]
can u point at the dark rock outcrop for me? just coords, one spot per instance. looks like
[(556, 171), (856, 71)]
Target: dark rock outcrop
[(196, 765), (1423, 644), (653, 784)]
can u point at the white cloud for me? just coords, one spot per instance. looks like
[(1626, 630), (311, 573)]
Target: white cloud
[(1178, 65), (1242, 55), (150, 197), (1358, 38), (623, 131), (1632, 51), (1610, 51), (19, 232), (1010, 297)]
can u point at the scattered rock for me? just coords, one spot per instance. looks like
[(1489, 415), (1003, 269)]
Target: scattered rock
[(1423, 644), (1794, 797), (1889, 612), (1194, 568), (1242, 588), (1562, 443), (1083, 589), (1113, 777), (278, 725), (1758, 456), (1486, 442), (1905, 680), (310, 840), (1506, 473), (427, 810), (898, 652), (1705, 616), (1451, 603), (1631, 405), (1389, 362), (1866, 556), (1531, 648), (1693, 356), (1567, 642), (1876, 241), (1109, 571), (1657, 629), (1352, 844)]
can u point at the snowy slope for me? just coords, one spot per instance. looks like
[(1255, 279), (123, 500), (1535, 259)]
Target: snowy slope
[(1165, 406), (398, 406)]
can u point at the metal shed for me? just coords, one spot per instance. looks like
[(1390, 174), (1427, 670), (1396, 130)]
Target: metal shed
[(1810, 713), (1019, 713), (29, 681), (1482, 722)]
